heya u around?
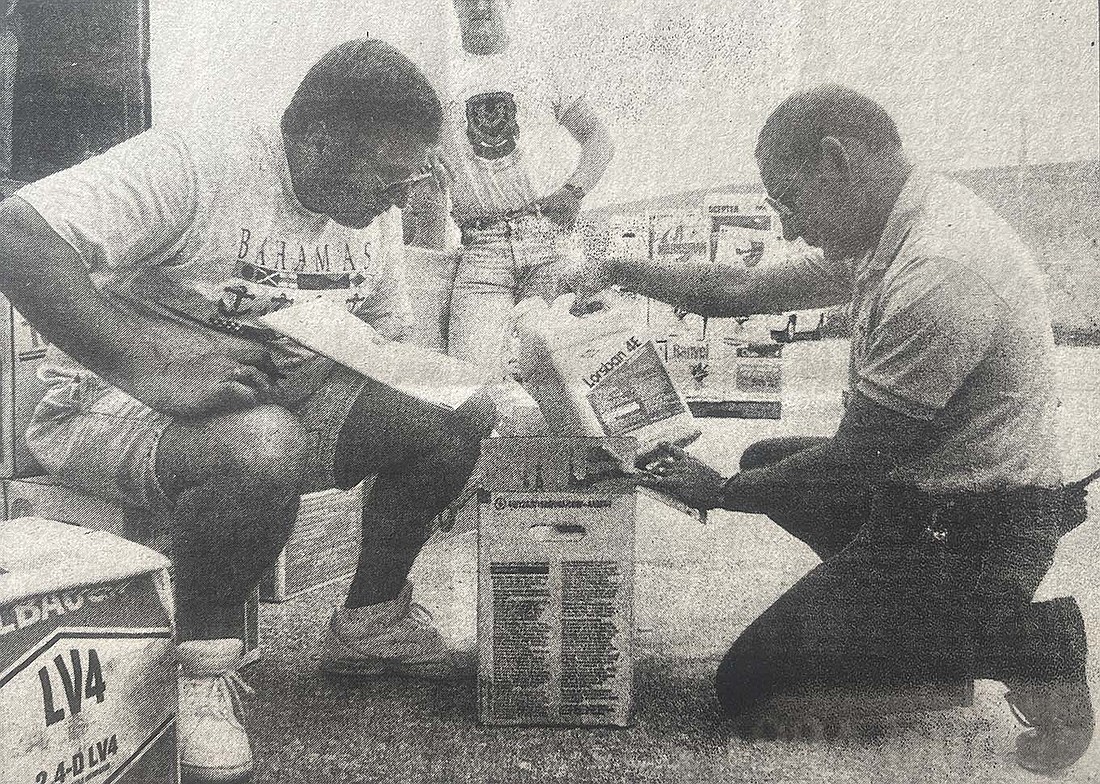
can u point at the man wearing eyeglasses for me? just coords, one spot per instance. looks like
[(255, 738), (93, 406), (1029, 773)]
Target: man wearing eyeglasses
[(937, 506), (148, 266)]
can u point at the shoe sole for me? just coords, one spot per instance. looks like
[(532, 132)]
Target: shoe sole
[(194, 774)]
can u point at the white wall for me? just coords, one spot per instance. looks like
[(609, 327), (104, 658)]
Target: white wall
[(242, 59)]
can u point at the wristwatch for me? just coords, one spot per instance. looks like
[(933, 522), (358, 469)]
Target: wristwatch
[(576, 190)]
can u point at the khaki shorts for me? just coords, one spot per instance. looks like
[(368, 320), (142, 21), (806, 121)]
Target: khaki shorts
[(91, 435)]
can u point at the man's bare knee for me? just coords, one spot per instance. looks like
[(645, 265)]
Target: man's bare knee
[(258, 450)]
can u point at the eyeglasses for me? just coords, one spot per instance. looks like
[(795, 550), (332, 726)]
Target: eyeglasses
[(782, 203)]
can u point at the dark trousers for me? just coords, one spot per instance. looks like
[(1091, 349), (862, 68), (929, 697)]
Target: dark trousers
[(903, 596)]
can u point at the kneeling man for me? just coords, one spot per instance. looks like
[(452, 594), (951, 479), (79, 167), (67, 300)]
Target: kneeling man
[(937, 506)]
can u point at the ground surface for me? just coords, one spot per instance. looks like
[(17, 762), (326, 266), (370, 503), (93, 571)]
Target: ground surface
[(696, 588)]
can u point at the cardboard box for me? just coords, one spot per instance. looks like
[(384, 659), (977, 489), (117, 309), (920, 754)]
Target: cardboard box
[(87, 664), (22, 351), (725, 378), (323, 547), (555, 586), (39, 496)]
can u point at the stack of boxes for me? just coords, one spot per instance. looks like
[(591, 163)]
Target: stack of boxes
[(723, 367), (87, 666)]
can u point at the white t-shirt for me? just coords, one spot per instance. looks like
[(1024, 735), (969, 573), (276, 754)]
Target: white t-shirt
[(502, 131), (205, 227)]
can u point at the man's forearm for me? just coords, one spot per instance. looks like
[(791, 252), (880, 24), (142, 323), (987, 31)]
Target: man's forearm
[(707, 289), (795, 282), (597, 152), (48, 284), (597, 147), (871, 443), (827, 465)]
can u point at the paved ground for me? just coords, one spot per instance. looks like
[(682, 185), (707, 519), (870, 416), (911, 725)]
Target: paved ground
[(696, 588)]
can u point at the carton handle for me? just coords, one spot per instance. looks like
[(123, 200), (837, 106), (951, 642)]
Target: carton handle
[(545, 532)]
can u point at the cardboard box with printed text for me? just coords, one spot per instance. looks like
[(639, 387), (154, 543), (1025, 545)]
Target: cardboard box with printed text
[(323, 546), (555, 584), (87, 664)]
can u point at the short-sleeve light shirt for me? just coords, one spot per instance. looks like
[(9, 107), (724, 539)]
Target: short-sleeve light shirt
[(502, 132), (206, 225), (952, 326)]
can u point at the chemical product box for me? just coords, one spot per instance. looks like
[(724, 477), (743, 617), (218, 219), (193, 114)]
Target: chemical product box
[(599, 374), (39, 496), (87, 664), (555, 585), (22, 351), (744, 230), (323, 545), (724, 378)]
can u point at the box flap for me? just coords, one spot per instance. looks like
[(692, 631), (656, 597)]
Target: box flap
[(43, 556)]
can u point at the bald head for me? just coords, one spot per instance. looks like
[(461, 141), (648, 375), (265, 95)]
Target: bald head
[(831, 159), (795, 129)]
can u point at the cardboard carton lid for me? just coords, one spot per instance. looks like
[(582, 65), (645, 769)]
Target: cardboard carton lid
[(43, 556)]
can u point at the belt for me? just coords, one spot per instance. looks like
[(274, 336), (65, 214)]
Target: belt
[(970, 516), (501, 219)]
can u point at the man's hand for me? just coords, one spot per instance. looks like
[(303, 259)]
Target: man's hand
[(199, 381), (590, 277), (671, 470), (562, 207)]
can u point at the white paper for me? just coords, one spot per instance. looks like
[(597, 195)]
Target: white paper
[(332, 331)]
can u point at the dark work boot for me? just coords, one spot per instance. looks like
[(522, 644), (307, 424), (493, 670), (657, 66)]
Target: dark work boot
[(1053, 699)]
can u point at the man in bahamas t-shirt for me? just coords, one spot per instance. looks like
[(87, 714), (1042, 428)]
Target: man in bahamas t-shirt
[(149, 266)]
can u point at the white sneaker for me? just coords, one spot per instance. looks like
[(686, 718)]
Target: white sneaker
[(390, 638), (213, 744)]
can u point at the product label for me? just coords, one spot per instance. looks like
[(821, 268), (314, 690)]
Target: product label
[(632, 390), (761, 377), (87, 687), (590, 660), (522, 652)]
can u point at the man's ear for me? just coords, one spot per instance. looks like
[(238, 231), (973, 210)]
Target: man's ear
[(835, 163)]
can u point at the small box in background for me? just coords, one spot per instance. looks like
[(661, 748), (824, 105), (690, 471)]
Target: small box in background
[(323, 546), (22, 351), (555, 584), (87, 665), (721, 377)]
